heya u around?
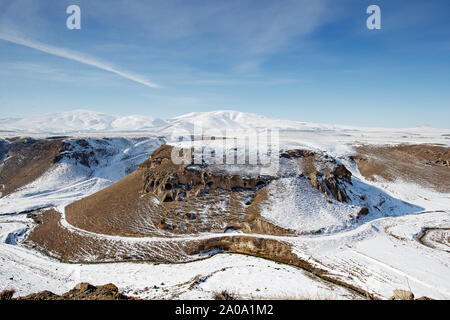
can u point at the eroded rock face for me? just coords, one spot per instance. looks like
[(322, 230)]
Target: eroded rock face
[(331, 182), (79, 150), (297, 153), (325, 174), (3, 149), (171, 182)]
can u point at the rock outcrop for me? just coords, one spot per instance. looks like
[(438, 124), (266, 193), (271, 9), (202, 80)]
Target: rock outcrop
[(325, 174), (400, 294), (171, 182), (80, 151), (82, 291)]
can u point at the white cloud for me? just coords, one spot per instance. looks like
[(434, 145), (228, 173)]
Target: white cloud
[(78, 57)]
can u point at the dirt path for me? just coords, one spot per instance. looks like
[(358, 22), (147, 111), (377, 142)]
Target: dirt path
[(431, 237)]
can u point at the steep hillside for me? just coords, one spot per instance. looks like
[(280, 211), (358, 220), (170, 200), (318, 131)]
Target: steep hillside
[(427, 165), (23, 160), (38, 173)]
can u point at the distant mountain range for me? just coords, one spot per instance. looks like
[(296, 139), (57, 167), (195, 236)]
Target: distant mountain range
[(85, 121)]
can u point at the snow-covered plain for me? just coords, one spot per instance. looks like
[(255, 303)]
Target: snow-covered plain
[(314, 135), (379, 254)]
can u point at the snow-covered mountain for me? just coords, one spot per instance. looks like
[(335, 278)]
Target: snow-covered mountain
[(232, 120), (85, 121), (79, 121)]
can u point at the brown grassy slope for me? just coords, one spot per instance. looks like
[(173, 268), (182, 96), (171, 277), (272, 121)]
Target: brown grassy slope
[(427, 165), (111, 210), (27, 160)]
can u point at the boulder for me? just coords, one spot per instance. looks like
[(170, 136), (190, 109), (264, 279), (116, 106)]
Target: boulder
[(400, 294), (82, 287), (364, 211), (424, 298), (6, 294), (110, 287)]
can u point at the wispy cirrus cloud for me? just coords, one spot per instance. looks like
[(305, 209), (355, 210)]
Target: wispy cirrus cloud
[(242, 34), (78, 57)]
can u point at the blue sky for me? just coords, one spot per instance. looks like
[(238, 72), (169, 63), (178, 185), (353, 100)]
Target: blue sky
[(307, 60)]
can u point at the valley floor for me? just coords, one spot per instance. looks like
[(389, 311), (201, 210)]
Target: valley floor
[(379, 257)]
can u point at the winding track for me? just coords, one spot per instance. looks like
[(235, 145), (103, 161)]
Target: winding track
[(423, 236), (31, 261)]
